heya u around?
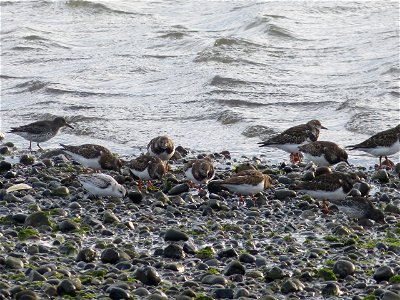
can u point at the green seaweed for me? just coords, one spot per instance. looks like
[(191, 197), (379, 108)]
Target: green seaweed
[(205, 253), (395, 279), (26, 233), (326, 274)]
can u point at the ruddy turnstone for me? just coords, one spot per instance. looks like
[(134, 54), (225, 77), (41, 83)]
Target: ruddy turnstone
[(382, 144), (93, 156), (162, 147), (40, 131), (330, 186), (324, 153), (199, 171), (247, 182), (99, 184), (360, 208), (292, 138), (147, 167)]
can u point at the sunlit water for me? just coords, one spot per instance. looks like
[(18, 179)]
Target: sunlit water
[(213, 75)]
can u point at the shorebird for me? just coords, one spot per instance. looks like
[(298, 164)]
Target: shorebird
[(382, 144), (99, 184), (199, 171), (330, 186), (40, 131), (324, 153), (359, 208), (93, 156), (162, 147), (147, 167), (247, 182), (292, 138)]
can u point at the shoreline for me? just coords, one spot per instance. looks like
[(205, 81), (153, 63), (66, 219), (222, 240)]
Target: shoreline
[(177, 243)]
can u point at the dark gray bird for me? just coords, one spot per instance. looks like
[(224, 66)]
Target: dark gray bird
[(40, 131)]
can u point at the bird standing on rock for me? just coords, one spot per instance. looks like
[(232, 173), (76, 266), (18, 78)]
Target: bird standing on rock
[(162, 147), (383, 143), (93, 156), (292, 138), (247, 182), (40, 131), (199, 171), (324, 153), (147, 167)]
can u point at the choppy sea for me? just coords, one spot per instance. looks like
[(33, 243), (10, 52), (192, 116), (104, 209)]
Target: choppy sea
[(213, 75)]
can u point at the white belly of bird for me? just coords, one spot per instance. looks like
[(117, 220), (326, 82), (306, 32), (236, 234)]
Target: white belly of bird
[(245, 189), (291, 148), (144, 175), (95, 190), (338, 194), (163, 155), (383, 151), (318, 160), (87, 162)]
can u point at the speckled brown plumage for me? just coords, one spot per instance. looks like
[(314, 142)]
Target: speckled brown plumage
[(156, 167), (382, 139), (324, 150), (199, 171), (162, 147)]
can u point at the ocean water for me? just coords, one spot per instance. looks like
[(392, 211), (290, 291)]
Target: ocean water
[(213, 75)]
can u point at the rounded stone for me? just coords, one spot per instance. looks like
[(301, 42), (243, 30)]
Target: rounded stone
[(37, 219), (283, 194), (117, 293), (135, 196), (68, 225), (214, 279), (66, 287), (86, 255), (26, 295), (381, 175), (234, 267), (110, 255), (175, 235), (26, 159), (221, 293), (383, 273), (275, 273), (292, 285), (61, 191), (179, 189), (343, 268), (174, 251), (331, 289), (148, 275), (14, 262), (247, 258)]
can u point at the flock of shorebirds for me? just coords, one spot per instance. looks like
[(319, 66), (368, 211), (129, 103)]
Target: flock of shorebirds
[(298, 141)]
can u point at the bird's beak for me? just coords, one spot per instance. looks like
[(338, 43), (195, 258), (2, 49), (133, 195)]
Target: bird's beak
[(323, 127), (347, 162), (69, 126)]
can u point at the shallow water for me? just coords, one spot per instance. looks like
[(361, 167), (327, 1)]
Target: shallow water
[(215, 75)]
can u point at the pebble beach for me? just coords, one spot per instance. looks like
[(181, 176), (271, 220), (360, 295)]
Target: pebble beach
[(176, 242)]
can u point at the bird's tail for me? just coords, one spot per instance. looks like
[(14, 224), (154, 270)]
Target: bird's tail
[(263, 144)]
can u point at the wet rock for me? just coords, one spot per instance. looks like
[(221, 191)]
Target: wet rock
[(391, 208), (275, 273), (37, 219), (4, 151), (214, 186), (36, 276), (234, 267), (189, 248), (174, 251), (110, 217), (292, 285), (135, 196), (175, 235), (383, 273), (117, 293), (283, 194), (148, 275), (223, 293), (179, 189), (389, 295), (26, 295), (14, 262), (214, 279), (343, 268), (61, 191), (331, 289), (86, 255), (247, 258), (66, 287), (227, 253), (26, 159), (68, 226), (381, 175), (110, 255)]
